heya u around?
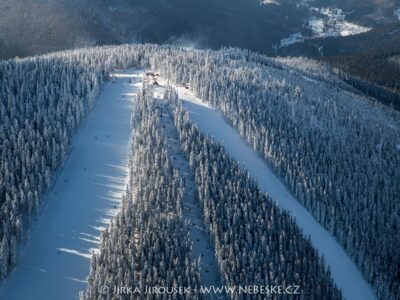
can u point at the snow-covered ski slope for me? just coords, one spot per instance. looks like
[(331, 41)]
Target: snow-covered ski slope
[(344, 272), (55, 261)]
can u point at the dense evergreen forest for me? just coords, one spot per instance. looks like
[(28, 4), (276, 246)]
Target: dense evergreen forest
[(337, 151), (148, 243), (368, 61), (42, 102), (254, 242)]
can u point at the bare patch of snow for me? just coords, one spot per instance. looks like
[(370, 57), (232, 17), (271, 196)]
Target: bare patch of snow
[(112, 8), (292, 39), (324, 22), (395, 60), (397, 13), (327, 22), (269, 2), (303, 3)]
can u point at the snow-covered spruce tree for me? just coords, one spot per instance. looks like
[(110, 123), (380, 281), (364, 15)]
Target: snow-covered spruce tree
[(148, 243), (255, 242)]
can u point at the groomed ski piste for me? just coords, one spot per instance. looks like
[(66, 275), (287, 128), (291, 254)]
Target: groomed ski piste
[(344, 272), (55, 262)]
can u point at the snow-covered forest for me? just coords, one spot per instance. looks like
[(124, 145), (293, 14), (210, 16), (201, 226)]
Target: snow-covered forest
[(336, 150), (338, 153), (254, 242), (148, 243), (42, 102)]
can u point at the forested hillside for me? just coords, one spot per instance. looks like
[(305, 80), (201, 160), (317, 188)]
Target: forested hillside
[(337, 151), (29, 27), (365, 60), (147, 244), (371, 59), (42, 102), (254, 242), (343, 30)]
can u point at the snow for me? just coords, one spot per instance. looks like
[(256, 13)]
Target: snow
[(327, 22), (270, 2), (395, 60), (345, 274), (323, 23), (56, 259), (192, 212), (397, 13), (292, 39)]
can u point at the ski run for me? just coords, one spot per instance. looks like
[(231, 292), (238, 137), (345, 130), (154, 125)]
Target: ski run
[(55, 260), (345, 274), (87, 193)]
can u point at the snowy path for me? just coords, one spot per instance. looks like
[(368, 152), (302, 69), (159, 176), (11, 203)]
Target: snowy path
[(55, 262), (192, 212), (345, 274)]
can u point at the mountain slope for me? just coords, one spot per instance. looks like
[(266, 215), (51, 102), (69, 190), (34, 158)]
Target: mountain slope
[(81, 202), (30, 27), (368, 60), (344, 273), (337, 152), (373, 58)]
